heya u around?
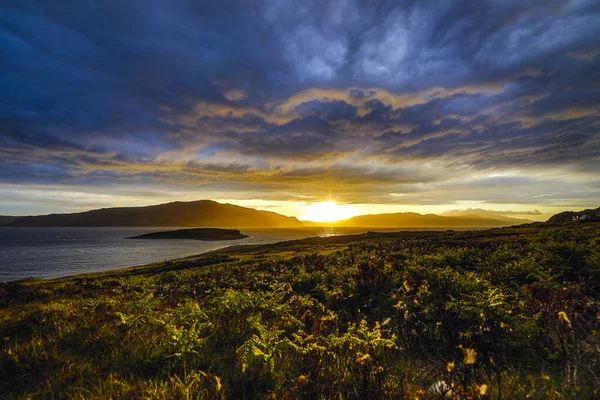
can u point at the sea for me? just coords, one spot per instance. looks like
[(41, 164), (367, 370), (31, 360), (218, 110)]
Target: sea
[(58, 252)]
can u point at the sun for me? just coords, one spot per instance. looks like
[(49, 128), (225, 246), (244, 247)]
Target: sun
[(327, 211)]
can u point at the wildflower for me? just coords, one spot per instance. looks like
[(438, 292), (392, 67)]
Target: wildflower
[(450, 366), (302, 380), (363, 358), (400, 305), (470, 356), (483, 389), (441, 389), (563, 317)]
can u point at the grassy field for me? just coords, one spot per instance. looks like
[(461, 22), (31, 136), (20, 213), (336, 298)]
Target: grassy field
[(507, 313)]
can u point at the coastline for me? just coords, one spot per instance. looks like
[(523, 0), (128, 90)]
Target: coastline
[(264, 248), (387, 294)]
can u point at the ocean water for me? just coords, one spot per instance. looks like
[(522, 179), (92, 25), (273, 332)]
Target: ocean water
[(57, 252)]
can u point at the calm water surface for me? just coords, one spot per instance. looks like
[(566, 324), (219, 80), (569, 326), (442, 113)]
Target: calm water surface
[(56, 252)]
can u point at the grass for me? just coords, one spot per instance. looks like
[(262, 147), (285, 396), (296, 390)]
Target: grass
[(504, 313)]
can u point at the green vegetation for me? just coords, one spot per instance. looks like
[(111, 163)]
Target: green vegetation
[(579, 216), (504, 313)]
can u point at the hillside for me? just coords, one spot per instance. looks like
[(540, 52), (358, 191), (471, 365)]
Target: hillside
[(569, 216), (492, 214), (507, 313), (415, 220), (200, 214)]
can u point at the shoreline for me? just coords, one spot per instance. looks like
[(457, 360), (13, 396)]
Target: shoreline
[(242, 248), (345, 232)]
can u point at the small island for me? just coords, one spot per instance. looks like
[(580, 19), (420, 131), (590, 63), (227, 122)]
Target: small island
[(207, 234)]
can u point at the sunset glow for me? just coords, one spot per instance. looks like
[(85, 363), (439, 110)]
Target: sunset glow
[(300, 199), (388, 106), (328, 211)]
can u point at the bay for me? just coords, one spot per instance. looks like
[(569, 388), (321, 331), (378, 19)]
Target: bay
[(58, 252)]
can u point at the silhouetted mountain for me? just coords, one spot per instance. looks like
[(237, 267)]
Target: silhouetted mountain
[(6, 219), (491, 214), (581, 216), (415, 220), (201, 214)]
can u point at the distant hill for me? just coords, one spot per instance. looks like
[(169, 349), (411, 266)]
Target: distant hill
[(199, 214), (569, 216), (415, 220), (6, 219), (491, 214)]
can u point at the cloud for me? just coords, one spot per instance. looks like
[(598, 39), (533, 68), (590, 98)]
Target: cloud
[(359, 100)]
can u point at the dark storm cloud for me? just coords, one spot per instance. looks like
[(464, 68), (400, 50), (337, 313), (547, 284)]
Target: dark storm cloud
[(118, 90)]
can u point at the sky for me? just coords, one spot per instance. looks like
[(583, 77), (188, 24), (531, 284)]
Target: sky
[(382, 106)]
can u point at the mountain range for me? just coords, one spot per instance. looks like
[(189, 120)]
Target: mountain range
[(415, 220), (199, 214), (210, 214)]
